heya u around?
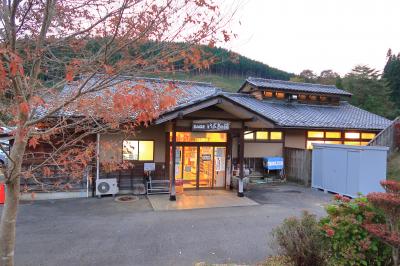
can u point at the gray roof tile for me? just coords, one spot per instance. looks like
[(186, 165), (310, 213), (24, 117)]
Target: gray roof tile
[(284, 114), (314, 116), (296, 86)]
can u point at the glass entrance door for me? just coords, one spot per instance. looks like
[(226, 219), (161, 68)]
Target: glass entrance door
[(206, 166), (200, 166), (189, 171)]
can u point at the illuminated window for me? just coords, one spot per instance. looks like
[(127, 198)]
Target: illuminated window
[(333, 135), (368, 135), (200, 137), (276, 135), (315, 134), (268, 94), (146, 149), (352, 135), (302, 97), (323, 98), (355, 143), (138, 150), (279, 95), (312, 98), (364, 143), (262, 135), (248, 135), (333, 142), (310, 143)]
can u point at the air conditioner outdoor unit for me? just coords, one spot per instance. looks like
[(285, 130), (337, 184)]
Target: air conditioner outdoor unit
[(107, 186)]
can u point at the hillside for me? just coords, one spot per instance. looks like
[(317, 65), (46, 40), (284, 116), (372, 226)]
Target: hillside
[(227, 69), (228, 83), (230, 70)]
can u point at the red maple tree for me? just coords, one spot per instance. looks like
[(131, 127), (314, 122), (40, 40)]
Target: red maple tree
[(88, 46), (389, 203)]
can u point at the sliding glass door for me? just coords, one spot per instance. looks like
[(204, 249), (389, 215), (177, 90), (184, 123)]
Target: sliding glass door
[(200, 166)]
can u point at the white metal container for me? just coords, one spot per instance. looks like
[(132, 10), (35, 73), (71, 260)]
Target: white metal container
[(348, 170)]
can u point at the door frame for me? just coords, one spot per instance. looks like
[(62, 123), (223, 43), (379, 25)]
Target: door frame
[(198, 145)]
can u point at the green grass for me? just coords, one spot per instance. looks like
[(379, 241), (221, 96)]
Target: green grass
[(394, 167), (231, 84)]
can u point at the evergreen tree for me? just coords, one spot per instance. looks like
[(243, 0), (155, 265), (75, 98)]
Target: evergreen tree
[(391, 74), (370, 92)]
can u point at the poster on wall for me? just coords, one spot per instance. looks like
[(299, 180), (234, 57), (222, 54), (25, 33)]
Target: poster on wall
[(177, 157), (206, 157), (219, 159), (176, 169)]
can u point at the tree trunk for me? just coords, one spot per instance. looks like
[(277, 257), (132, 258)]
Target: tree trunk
[(10, 209), (8, 224)]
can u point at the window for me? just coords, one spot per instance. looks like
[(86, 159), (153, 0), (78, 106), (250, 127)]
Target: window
[(302, 97), (262, 135), (199, 137), (333, 142), (333, 135), (248, 135), (356, 143), (337, 137), (280, 95), (312, 98), (315, 134), (276, 135), (351, 135), (323, 98), (268, 94), (138, 150), (310, 142), (368, 135)]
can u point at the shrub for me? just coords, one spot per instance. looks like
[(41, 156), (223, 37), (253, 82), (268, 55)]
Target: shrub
[(389, 203), (278, 261), (349, 242), (301, 240)]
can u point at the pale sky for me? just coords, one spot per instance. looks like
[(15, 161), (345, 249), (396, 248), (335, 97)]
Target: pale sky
[(293, 35)]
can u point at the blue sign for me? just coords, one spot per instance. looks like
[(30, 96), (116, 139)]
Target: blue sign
[(273, 163)]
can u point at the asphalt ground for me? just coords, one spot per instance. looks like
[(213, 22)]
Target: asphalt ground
[(105, 232)]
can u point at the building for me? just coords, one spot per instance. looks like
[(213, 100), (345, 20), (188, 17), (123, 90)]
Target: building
[(211, 135)]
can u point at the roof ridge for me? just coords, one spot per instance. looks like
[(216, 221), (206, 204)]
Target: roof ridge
[(161, 79), (177, 80), (294, 82)]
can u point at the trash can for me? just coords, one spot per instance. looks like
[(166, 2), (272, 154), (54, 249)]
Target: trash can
[(2, 193)]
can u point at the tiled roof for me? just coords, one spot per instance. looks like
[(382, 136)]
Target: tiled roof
[(283, 114), (189, 91), (314, 116), (296, 86)]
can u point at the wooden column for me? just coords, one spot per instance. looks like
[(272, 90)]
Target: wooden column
[(172, 195), (241, 162)]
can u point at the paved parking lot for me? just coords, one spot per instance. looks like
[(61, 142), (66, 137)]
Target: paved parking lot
[(104, 232)]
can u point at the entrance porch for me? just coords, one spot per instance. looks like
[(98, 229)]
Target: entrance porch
[(199, 199)]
